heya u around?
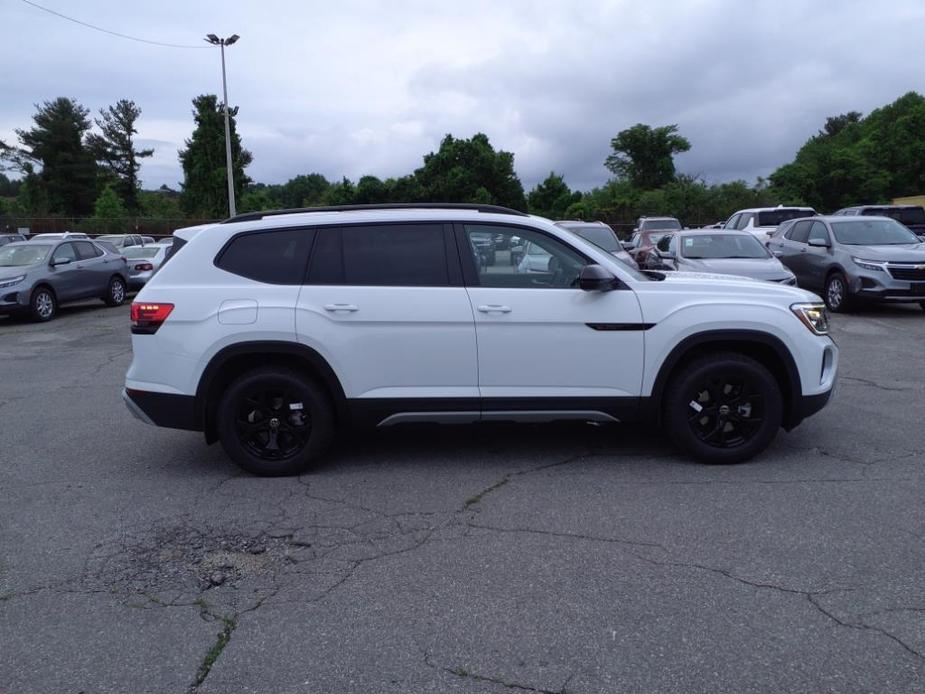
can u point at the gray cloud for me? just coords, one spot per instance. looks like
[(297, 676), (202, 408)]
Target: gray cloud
[(367, 87)]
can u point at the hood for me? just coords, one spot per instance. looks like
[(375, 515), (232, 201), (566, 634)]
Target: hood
[(701, 282), (10, 272), (756, 268), (904, 253)]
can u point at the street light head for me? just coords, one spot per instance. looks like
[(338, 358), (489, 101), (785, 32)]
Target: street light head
[(231, 39), (213, 39)]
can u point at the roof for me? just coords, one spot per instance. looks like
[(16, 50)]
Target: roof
[(774, 209), (492, 209), (713, 232)]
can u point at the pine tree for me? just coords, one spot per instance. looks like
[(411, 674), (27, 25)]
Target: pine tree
[(115, 149)]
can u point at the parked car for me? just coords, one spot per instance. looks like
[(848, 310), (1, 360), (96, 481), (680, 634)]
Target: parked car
[(642, 244), (38, 276), (657, 224), (238, 336), (912, 216), (125, 240), (58, 236), (761, 221), (143, 262), (849, 259), (10, 238), (719, 252), (602, 236)]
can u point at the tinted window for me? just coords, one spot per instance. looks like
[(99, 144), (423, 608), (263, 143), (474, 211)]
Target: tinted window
[(906, 215), (817, 231), (395, 255), (731, 222), (274, 257), (800, 232), (663, 243), (87, 250), (772, 218), (544, 262), (661, 224), (601, 236)]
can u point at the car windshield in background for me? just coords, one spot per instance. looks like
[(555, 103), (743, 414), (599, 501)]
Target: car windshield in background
[(713, 246), (112, 238), (772, 218), (601, 237), (140, 252), (905, 215), (19, 256), (662, 224), (873, 232)]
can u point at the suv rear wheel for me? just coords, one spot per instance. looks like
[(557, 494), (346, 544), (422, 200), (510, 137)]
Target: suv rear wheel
[(723, 408), (274, 421)]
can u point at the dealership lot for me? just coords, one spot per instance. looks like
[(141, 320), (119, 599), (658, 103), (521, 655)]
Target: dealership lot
[(539, 558)]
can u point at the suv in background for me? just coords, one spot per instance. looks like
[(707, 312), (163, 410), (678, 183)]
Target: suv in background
[(657, 224), (601, 235), (271, 331), (762, 221), (912, 216), (121, 241), (849, 258), (10, 238)]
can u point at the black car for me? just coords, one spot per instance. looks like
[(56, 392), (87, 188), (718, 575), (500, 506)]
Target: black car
[(912, 216)]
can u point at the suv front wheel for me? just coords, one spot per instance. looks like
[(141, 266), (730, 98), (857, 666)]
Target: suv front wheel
[(723, 408), (274, 421)]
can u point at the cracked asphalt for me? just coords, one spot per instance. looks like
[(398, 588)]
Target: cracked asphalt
[(475, 559)]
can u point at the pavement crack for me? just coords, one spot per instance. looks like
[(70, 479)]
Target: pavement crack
[(508, 477), (873, 384), (571, 536), (476, 677), (229, 624)]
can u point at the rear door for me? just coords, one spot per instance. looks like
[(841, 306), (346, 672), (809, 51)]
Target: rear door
[(543, 343), (65, 278), (817, 259), (94, 270), (385, 305), (791, 249)]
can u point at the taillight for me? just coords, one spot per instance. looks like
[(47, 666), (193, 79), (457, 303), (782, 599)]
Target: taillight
[(147, 318), (144, 267)]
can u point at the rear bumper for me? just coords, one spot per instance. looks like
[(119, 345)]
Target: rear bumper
[(163, 409)]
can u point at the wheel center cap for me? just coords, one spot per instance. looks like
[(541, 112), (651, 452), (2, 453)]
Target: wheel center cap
[(274, 423), (724, 410)]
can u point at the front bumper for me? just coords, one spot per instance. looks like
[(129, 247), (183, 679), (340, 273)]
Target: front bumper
[(871, 285)]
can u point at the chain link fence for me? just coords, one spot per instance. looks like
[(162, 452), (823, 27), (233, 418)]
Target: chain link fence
[(147, 226)]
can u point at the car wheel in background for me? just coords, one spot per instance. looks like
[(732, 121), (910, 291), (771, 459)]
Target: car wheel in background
[(723, 408), (43, 306), (115, 296), (274, 421), (835, 293)]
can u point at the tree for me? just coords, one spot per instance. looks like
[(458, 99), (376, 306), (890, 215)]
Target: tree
[(470, 171), (108, 205), (115, 151), (8, 188), (55, 144), (552, 197), (205, 186), (162, 203), (645, 155), (306, 190), (343, 193)]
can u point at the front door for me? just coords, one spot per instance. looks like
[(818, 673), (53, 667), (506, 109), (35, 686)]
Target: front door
[(543, 343)]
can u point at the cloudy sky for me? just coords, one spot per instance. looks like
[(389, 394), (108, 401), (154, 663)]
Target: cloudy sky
[(363, 86)]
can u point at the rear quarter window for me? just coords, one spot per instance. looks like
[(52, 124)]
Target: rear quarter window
[(278, 256)]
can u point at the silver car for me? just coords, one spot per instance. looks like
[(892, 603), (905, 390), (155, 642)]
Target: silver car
[(143, 262), (37, 276), (721, 253)]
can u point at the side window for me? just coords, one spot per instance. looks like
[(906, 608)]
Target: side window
[(732, 221), (634, 239), (744, 220), (274, 257), (544, 262), (87, 250), (800, 232), (818, 232), (395, 255), (65, 251)]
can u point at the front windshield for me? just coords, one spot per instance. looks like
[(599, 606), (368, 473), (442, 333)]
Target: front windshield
[(661, 224), (140, 252), (18, 256), (771, 218), (602, 237), (873, 232), (716, 246)]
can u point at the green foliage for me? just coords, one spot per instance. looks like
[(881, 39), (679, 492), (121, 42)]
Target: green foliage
[(109, 205), (163, 203), (32, 198), (470, 171), (856, 160), (8, 188), (342, 193), (56, 144), (552, 198), (205, 187), (645, 155), (255, 200), (303, 191), (115, 151)]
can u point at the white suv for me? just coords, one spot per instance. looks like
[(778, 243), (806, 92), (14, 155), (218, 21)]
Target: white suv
[(761, 221), (270, 332)]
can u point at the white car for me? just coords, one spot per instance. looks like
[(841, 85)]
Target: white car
[(761, 221), (273, 330)]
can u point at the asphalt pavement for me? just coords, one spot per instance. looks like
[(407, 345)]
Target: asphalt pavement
[(457, 559)]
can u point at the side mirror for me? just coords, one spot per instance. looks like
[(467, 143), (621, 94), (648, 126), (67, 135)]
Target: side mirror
[(818, 243), (60, 261), (595, 278)]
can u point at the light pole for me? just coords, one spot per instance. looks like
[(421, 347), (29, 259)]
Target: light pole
[(216, 41)]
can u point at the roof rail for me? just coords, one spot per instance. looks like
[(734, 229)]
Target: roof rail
[(494, 209)]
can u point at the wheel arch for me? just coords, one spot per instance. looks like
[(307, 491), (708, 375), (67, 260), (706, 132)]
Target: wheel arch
[(765, 348), (236, 359)]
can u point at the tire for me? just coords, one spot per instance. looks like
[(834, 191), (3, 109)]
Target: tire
[(115, 292), (835, 293), (260, 429), (43, 306), (747, 413)]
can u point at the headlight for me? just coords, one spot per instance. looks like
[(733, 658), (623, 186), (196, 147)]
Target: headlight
[(10, 282), (813, 316), (875, 265)]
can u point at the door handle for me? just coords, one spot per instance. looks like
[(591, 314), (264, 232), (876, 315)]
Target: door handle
[(494, 308), (350, 308)]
